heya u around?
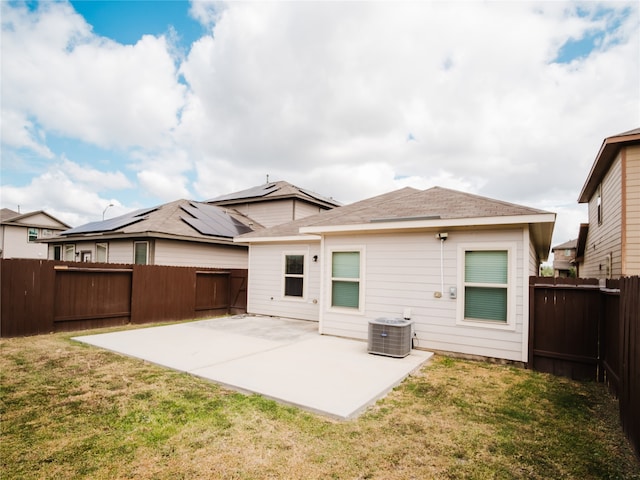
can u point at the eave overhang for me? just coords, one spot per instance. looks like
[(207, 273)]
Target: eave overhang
[(136, 235), (607, 154), (281, 239)]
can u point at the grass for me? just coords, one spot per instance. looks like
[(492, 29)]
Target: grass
[(73, 411)]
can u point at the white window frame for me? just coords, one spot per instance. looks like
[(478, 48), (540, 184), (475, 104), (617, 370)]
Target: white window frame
[(29, 236), (361, 287), (512, 277), (105, 246), (147, 252), (304, 276)]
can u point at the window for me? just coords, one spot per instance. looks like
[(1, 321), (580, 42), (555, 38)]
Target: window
[(486, 285), (57, 252), (101, 252), (32, 234), (567, 252), (141, 253), (345, 279), (293, 275), (70, 252), (46, 233), (599, 204)]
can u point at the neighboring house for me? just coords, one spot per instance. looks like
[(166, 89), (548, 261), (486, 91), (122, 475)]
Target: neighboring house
[(457, 264), (609, 245), (275, 203), (182, 233), (19, 233), (188, 233), (564, 259)]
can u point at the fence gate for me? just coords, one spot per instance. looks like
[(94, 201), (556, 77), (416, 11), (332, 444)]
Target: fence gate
[(564, 323)]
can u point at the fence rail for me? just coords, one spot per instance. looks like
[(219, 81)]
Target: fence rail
[(583, 331), (39, 296)]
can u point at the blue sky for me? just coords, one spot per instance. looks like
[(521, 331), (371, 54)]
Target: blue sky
[(140, 103)]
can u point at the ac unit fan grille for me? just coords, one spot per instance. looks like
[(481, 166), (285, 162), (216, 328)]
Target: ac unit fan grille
[(390, 337)]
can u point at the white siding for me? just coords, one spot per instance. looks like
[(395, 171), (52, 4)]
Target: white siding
[(403, 271), (266, 281), (15, 244), (178, 253), (605, 239), (169, 252), (632, 212)]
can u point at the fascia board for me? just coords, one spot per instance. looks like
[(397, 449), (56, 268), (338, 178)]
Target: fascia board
[(441, 223), (288, 238)]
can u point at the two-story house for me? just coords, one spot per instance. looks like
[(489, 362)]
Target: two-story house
[(564, 259), (20, 232), (186, 232), (609, 245)]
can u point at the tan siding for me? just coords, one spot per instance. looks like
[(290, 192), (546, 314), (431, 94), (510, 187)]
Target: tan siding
[(403, 271), (304, 209), (266, 274), (178, 253), (605, 239), (120, 251), (632, 213), (268, 213), (43, 221)]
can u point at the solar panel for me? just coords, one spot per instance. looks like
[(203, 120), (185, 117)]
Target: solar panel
[(259, 191), (112, 223), (212, 220)]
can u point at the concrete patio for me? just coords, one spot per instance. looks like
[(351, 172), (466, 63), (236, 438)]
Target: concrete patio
[(283, 359)]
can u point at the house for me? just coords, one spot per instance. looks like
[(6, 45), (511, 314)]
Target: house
[(275, 203), (609, 244), (456, 264), (19, 233), (181, 233), (564, 259), (188, 233)]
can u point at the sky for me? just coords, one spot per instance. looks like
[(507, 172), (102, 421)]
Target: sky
[(137, 103)]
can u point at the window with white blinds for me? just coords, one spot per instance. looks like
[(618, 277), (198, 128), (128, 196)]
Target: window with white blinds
[(345, 279), (486, 285)]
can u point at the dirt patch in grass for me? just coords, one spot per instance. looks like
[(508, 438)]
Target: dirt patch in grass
[(73, 411)]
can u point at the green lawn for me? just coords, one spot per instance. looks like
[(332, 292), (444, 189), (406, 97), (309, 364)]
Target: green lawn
[(75, 411)]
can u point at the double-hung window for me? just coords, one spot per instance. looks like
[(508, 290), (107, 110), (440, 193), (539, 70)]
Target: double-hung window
[(487, 286), (345, 279), (294, 275), (32, 234), (141, 253)]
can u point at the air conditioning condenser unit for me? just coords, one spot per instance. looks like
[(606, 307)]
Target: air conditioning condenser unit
[(390, 337)]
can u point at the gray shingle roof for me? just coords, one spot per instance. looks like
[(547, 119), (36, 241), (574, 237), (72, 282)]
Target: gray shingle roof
[(181, 218), (273, 190), (404, 204)]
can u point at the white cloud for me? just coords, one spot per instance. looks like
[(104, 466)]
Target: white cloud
[(327, 95), (68, 191), (83, 86)]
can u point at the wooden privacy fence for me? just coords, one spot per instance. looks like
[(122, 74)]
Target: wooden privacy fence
[(39, 296), (583, 331)]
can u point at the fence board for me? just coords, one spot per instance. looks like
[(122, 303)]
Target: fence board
[(47, 296), (91, 298), (26, 293), (629, 390), (564, 325)]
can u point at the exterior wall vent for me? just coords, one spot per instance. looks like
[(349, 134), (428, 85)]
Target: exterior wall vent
[(390, 337)]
